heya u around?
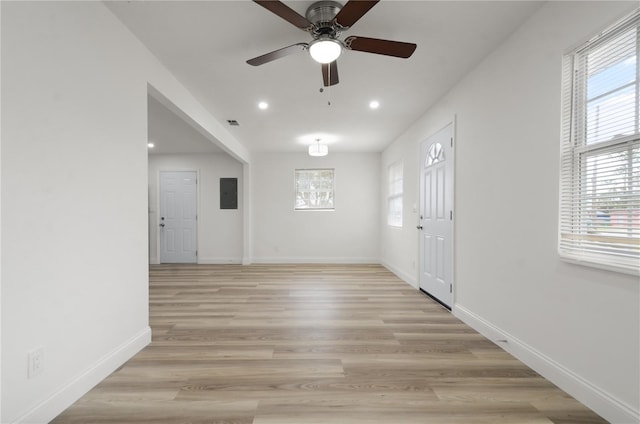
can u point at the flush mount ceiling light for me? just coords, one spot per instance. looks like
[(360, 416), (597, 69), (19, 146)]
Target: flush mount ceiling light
[(325, 49), (374, 104), (263, 105), (318, 149), (150, 145)]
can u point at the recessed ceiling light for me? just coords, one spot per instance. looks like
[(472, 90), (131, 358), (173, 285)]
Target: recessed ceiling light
[(263, 105), (374, 104), (150, 145)]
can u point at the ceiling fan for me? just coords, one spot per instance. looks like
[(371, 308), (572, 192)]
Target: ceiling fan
[(326, 20)]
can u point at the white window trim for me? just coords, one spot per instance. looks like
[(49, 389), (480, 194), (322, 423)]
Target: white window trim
[(572, 164)]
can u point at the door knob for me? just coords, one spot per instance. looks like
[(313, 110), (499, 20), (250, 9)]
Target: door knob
[(419, 227), (162, 224)]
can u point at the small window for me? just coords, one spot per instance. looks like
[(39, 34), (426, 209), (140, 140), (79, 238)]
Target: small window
[(394, 195), (435, 154), (600, 153), (314, 189)]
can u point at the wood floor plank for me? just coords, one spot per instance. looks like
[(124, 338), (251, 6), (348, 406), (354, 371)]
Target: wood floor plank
[(314, 344)]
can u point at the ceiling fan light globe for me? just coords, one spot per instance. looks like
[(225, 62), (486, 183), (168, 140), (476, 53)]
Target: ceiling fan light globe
[(325, 50)]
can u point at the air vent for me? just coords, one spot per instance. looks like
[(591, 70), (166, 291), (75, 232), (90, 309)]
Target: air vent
[(233, 122)]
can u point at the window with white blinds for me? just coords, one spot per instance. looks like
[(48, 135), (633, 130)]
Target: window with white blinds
[(600, 155), (314, 189), (394, 194)]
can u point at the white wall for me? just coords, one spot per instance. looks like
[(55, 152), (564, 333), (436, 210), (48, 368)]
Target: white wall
[(74, 201), (578, 326), (0, 225), (220, 233), (398, 245), (348, 234), (74, 175)]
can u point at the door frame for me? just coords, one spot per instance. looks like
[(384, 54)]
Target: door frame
[(156, 225), (454, 135)]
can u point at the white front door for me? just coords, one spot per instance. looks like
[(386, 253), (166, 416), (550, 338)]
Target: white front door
[(436, 216), (178, 205)]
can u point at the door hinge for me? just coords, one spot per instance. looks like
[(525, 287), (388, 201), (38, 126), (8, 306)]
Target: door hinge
[(450, 215), (451, 141), (450, 288)]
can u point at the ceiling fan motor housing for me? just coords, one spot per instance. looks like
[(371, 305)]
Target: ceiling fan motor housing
[(321, 14)]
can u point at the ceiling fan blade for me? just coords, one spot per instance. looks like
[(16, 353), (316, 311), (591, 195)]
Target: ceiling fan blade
[(353, 11), (277, 54), (285, 12), (377, 46), (330, 73)]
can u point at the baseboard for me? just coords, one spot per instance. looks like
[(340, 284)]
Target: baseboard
[(407, 278), (219, 261), (314, 260), (55, 404), (600, 401)]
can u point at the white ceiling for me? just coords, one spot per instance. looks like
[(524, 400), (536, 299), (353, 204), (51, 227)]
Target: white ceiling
[(170, 134), (205, 44)]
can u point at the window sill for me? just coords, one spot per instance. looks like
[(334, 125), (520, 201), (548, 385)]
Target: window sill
[(629, 270)]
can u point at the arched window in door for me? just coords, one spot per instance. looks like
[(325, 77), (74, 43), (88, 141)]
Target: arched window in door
[(435, 154)]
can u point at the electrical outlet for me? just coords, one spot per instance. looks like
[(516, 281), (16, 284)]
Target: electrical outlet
[(35, 362)]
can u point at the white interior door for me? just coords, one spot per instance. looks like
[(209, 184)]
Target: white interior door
[(436, 216), (178, 206)]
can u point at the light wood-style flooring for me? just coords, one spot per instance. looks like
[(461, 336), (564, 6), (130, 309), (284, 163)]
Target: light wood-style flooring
[(314, 344)]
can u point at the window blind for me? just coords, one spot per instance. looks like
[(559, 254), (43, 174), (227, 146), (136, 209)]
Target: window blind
[(394, 196), (600, 154)]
